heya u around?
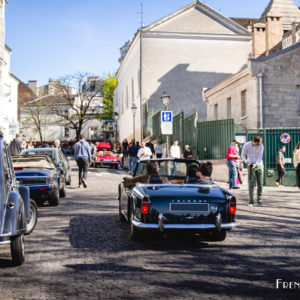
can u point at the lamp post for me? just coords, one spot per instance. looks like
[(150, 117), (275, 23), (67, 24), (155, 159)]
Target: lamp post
[(165, 98), (116, 116), (133, 110)]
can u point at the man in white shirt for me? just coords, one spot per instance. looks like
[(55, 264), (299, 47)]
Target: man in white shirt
[(252, 155), (175, 153), (144, 152)]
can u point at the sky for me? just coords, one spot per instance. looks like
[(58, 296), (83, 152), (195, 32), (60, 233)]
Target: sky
[(54, 38)]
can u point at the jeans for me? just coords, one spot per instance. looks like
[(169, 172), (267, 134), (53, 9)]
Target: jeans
[(257, 175), (83, 165), (175, 168), (232, 173), (281, 173), (132, 163)]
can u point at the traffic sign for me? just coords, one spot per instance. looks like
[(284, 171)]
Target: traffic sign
[(167, 122), (285, 138)]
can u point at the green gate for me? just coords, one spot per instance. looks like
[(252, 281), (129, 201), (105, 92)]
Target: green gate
[(190, 132), (178, 129), (214, 138), (272, 143)]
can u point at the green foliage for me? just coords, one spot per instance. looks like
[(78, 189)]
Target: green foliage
[(107, 92)]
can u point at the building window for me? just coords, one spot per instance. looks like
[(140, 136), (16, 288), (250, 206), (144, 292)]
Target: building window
[(67, 132), (228, 108), (298, 99), (216, 112), (244, 103)]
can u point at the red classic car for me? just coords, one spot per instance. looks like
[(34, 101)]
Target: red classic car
[(104, 156)]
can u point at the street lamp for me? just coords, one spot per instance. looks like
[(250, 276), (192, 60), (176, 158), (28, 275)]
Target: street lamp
[(116, 116), (133, 110), (165, 98)]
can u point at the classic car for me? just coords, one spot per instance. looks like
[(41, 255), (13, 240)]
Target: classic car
[(41, 176), (104, 156), (60, 161), (14, 207), (207, 211)]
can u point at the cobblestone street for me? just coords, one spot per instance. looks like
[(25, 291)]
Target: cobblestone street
[(80, 250)]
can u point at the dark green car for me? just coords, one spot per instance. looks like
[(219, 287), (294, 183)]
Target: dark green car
[(57, 157)]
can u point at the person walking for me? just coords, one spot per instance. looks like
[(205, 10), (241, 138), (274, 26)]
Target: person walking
[(124, 151), (144, 152), (16, 146), (252, 155), (158, 149), (132, 152), (175, 153), (280, 166), (231, 158), (297, 163), (82, 154), (150, 145)]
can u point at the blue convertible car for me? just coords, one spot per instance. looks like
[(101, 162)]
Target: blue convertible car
[(169, 202), (39, 173)]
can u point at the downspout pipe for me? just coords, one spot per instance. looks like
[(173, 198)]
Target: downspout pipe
[(261, 100), (141, 86)]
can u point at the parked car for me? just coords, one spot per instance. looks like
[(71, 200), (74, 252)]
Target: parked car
[(59, 159), (39, 173), (205, 210), (104, 156), (14, 207)]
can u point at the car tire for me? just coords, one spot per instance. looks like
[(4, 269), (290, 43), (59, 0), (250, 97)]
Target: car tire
[(54, 199), (33, 217), (135, 234), (218, 236), (17, 250), (63, 192), (116, 167), (121, 216)]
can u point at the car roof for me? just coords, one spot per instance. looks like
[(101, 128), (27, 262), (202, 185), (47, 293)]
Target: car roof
[(42, 149)]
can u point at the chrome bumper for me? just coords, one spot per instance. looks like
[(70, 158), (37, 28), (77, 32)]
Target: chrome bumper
[(161, 226)]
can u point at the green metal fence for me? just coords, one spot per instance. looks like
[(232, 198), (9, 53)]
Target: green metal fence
[(214, 138), (272, 143), (178, 128), (190, 131)]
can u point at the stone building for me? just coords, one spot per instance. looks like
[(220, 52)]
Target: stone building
[(267, 92), (179, 54), (8, 84)]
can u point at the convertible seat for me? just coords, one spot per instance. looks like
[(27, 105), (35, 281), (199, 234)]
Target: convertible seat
[(155, 179)]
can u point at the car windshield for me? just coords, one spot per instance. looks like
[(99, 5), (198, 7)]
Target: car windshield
[(167, 168), (40, 152), (32, 163)]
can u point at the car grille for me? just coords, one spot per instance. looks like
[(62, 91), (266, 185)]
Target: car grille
[(33, 180)]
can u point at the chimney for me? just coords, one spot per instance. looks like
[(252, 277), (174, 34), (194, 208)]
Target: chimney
[(258, 40), (32, 84), (274, 32)]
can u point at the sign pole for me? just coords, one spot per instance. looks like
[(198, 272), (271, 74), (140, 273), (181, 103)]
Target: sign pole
[(167, 138)]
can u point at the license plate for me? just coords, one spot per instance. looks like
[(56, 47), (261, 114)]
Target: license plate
[(106, 160), (186, 207)]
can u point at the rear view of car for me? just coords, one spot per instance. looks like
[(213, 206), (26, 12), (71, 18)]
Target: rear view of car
[(39, 174), (105, 156)]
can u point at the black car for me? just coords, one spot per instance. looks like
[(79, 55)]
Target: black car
[(14, 207), (39, 173)]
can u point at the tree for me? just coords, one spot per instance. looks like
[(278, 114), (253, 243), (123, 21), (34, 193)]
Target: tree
[(109, 83), (34, 113), (77, 108)]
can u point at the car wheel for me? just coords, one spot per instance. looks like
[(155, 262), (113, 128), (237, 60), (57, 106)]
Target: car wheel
[(121, 216), (135, 234), (218, 236), (33, 217), (54, 199), (62, 191), (17, 250)]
